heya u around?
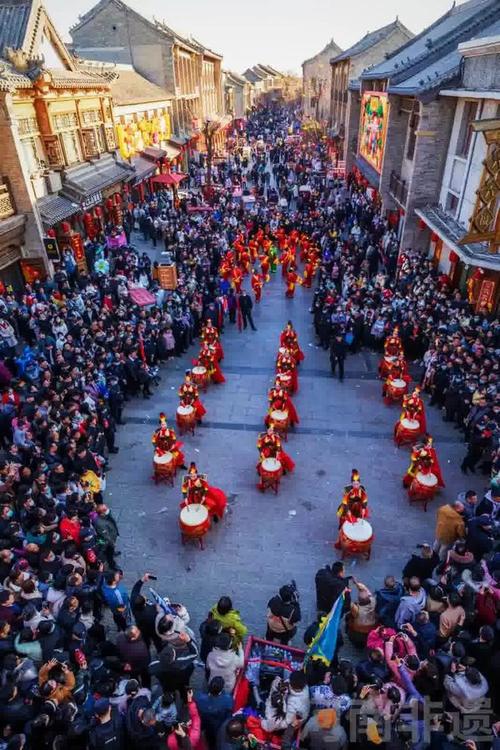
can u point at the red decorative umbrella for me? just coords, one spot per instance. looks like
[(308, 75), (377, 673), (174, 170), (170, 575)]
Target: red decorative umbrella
[(169, 178)]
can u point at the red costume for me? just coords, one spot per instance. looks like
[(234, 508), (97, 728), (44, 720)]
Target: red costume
[(290, 340), (237, 279), (286, 364), (190, 396), (423, 459), (196, 489), (269, 446), (291, 281), (257, 284), (279, 400), (165, 441), (210, 335), (208, 358), (354, 501), (393, 348)]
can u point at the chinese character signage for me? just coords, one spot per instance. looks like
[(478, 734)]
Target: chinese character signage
[(373, 127)]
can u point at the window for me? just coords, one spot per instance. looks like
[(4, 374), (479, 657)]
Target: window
[(90, 116), (451, 203), (71, 146), (465, 132), (89, 140), (27, 126), (65, 120), (31, 154)]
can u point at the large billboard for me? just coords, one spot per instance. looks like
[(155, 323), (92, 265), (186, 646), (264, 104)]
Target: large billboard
[(373, 126)]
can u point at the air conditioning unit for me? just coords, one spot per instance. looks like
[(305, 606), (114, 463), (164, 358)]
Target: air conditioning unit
[(54, 182)]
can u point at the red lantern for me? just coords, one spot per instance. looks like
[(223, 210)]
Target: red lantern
[(88, 223), (434, 237), (454, 257), (65, 227), (118, 199), (51, 233), (98, 211), (421, 224), (478, 274)]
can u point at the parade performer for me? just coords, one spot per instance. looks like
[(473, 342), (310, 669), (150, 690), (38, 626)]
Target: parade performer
[(289, 340), (286, 365), (237, 279), (354, 503), (393, 349), (423, 458), (211, 336), (208, 358), (291, 280), (190, 396), (396, 384), (269, 445), (279, 400), (409, 425), (196, 489), (257, 284), (273, 258), (309, 271), (264, 266), (165, 441), (246, 261)]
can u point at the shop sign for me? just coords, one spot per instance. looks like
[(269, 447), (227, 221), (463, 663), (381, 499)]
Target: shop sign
[(51, 248), (486, 293), (91, 200), (167, 276)]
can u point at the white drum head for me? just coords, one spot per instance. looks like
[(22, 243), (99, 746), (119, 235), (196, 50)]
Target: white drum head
[(271, 464), (390, 359), (410, 424), (185, 410), (165, 459), (398, 383), (283, 350), (284, 376), (279, 416), (428, 480), (198, 370), (194, 514), (360, 531)]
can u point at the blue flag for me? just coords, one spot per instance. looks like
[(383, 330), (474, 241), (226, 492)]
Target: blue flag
[(163, 602), (324, 643)]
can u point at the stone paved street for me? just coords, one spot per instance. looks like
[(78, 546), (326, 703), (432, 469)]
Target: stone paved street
[(266, 540)]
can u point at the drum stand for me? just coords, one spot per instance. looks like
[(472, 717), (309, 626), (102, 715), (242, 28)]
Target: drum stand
[(196, 539), (167, 476), (186, 426), (268, 483), (423, 498)]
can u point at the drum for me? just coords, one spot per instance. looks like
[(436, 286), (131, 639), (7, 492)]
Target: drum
[(385, 365), (200, 376), (186, 418), (282, 350), (396, 389), (164, 468), (270, 468), (356, 538), (279, 420), (423, 488), (285, 381), (406, 431), (194, 522)]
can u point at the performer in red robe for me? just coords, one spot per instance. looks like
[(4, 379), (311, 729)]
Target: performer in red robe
[(196, 489), (393, 349), (291, 281), (265, 264), (279, 400), (257, 284), (423, 458), (165, 441), (190, 396), (237, 278), (416, 403), (286, 364), (354, 501), (290, 340), (210, 335), (269, 445), (208, 358)]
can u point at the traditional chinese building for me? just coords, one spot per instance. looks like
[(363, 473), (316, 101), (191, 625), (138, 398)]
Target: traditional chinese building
[(317, 81), (58, 139), (406, 124), (461, 230), (238, 95)]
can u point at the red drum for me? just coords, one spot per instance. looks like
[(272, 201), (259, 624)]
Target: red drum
[(200, 376), (164, 468), (396, 389), (186, 418), (194, 522), (406, 431), (285, 381), (271, 471), (356, 538), (279, 420), (423, 488)]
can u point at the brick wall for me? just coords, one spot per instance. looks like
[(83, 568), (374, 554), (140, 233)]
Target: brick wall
[(397, 127), (351, 129), (433, 135)]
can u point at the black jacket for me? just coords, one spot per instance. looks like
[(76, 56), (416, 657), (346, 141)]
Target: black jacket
[(338, 348), (108, 736), (246, 303), (328, 589)]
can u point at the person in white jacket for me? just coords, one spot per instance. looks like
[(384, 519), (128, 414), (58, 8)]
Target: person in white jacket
[(298, 702), (223, 661)]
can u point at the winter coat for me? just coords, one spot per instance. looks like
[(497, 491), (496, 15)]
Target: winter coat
[(409, 607), (450, 525), (225, 663), (464, 696)]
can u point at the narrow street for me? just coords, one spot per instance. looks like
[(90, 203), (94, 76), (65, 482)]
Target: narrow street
[(265, 540)]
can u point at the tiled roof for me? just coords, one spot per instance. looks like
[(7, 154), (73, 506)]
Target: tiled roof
[(236, 78), (129, 87), (370, 40), (437, 40), (14, 18), (55, 208), (331, 47), (92, 176)]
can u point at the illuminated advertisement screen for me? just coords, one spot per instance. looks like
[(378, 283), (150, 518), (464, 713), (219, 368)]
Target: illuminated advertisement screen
[(374, 114)]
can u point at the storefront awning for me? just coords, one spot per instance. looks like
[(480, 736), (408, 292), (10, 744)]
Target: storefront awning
[(93, 176), (144, 168), (55, 208), (171, 178), (450, 232)]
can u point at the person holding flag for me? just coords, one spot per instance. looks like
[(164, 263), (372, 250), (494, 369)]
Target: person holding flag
[(328, 639)]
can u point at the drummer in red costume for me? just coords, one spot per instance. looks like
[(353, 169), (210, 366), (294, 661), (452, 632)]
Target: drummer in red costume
[(165, 441), (408, 428), (211, 336), (354, 503), (393, 348), (190, 396), (290, 340), (286, 365), (396, 384), (237, 278), (269, 446), (416, 403), (423, 458), (279, 400), (196, 489), (257, 284), (208, 358)]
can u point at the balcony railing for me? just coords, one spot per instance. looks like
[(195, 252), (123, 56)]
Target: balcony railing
[(6, 204), (398, 189)]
